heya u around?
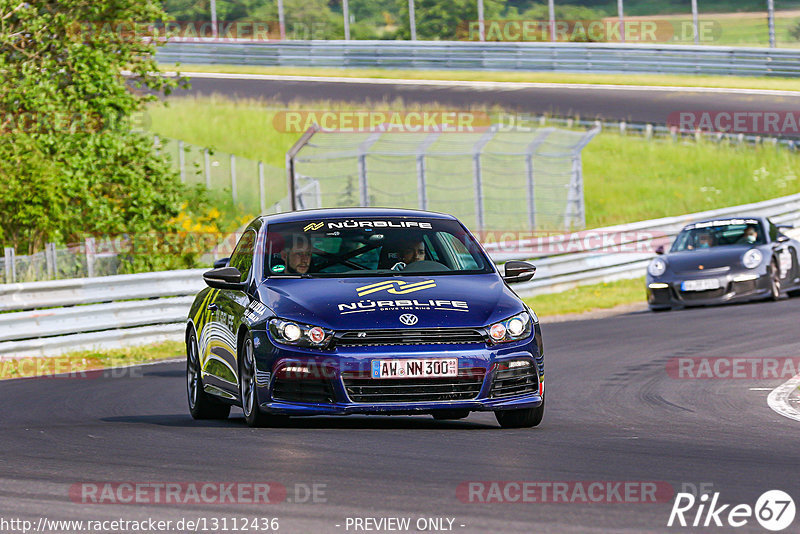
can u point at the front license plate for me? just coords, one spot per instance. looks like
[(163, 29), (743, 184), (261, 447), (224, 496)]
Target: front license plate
[(439, 367), (700, 285)]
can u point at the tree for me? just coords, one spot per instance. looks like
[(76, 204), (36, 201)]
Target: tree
[(437, 20), (70, 163)]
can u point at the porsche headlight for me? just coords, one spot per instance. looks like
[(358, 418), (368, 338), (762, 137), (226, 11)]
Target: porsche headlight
[(512, 329), (657, 267), (752, 258), (299, 334)]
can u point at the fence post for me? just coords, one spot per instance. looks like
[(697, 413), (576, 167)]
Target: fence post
[(530, 189), (422, 188), (362, 180), (182, 161), (11, 268), (290, 171), (157, 145), (233, 178), (50, 259), (90, 252), (477, 176), (207, 164), (262, 200)]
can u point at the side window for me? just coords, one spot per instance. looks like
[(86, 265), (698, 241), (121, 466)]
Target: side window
[(463, 258), (242, 257), (773, 232)]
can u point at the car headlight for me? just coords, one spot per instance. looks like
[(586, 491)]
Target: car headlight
[(512, 329), (657, 267), (303, 335), (752, 258)]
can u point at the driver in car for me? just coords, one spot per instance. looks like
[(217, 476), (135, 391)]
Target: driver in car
[(297, 256), (412, 250), (749, 236)]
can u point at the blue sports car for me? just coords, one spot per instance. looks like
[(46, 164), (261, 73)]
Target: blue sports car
[(363, 311)]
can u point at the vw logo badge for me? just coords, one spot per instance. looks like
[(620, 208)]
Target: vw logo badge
[(408, 319)]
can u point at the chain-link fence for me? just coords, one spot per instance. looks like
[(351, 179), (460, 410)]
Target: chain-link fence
[(77, 260), (240, 184), (508, 180)]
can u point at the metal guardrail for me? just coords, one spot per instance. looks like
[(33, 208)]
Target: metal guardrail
[(114, 311), (463, 55)]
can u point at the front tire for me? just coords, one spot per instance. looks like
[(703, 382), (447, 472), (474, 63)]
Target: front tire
[(248, 390), (201, 405), (522, 418), (448, 415)]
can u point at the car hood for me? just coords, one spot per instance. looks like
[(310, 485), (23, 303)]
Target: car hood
[(712, 258), (378, 302)]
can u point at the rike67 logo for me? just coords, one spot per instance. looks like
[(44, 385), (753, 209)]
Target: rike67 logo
[(774, 510)]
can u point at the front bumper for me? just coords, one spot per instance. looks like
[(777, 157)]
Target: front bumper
[(732, 288), (328, 389)]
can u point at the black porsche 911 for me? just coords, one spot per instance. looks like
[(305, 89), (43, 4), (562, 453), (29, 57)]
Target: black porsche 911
[(724, 260)]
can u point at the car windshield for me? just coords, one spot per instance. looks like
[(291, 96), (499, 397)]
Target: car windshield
[(719, 234), (373, 246)]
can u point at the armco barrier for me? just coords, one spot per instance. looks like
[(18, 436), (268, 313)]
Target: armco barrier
[(113, 311), (463, 55)]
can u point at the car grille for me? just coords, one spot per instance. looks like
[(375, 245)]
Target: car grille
[(466, 386), (515, 381), (304, 390), (410, 336), (745, 286), (702, 295)]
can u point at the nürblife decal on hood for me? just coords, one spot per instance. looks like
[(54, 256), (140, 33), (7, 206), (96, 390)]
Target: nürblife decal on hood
[(402, 304)]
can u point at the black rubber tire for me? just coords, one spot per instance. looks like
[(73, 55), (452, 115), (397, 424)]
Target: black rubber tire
[(775, 282), (794, 293), (248, 392), (446, 415), (523, 418), (201, 404)]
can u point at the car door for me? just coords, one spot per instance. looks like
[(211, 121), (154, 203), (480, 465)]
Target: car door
[(226, 309)]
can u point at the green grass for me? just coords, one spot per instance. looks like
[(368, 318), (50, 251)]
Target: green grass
[(626, 178), (588, 298), (732, 82), (77, 362)]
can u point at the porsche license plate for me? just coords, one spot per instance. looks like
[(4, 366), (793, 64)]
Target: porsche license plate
[(433, 368), (700, 285)]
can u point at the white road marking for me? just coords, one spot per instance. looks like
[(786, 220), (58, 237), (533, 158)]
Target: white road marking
[(760, 389), (778, 400), (485, 84)]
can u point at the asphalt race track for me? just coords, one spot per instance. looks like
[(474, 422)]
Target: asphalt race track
[(629, 103), (613, 414)]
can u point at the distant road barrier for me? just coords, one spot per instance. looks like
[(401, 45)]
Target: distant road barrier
[(47, 318), (464, 55)]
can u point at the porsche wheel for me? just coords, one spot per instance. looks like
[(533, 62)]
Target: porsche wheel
[(775, 281), (201, 405)]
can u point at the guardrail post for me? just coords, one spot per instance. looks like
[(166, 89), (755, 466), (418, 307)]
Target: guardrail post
[(11, 268), (182, 161), (50, 260), (262, 201), (207, 167), (90, 254), (233, 178)]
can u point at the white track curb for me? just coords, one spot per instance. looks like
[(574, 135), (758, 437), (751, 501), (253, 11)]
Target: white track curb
[(778, 399)]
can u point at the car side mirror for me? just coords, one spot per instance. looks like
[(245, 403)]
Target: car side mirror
[(222, 262), (782, 238), (224, 278), (660, 249), (785, 226), (518, 271)]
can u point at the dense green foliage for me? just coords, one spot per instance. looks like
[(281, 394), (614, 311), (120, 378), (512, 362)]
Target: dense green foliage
[(71, 164)]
